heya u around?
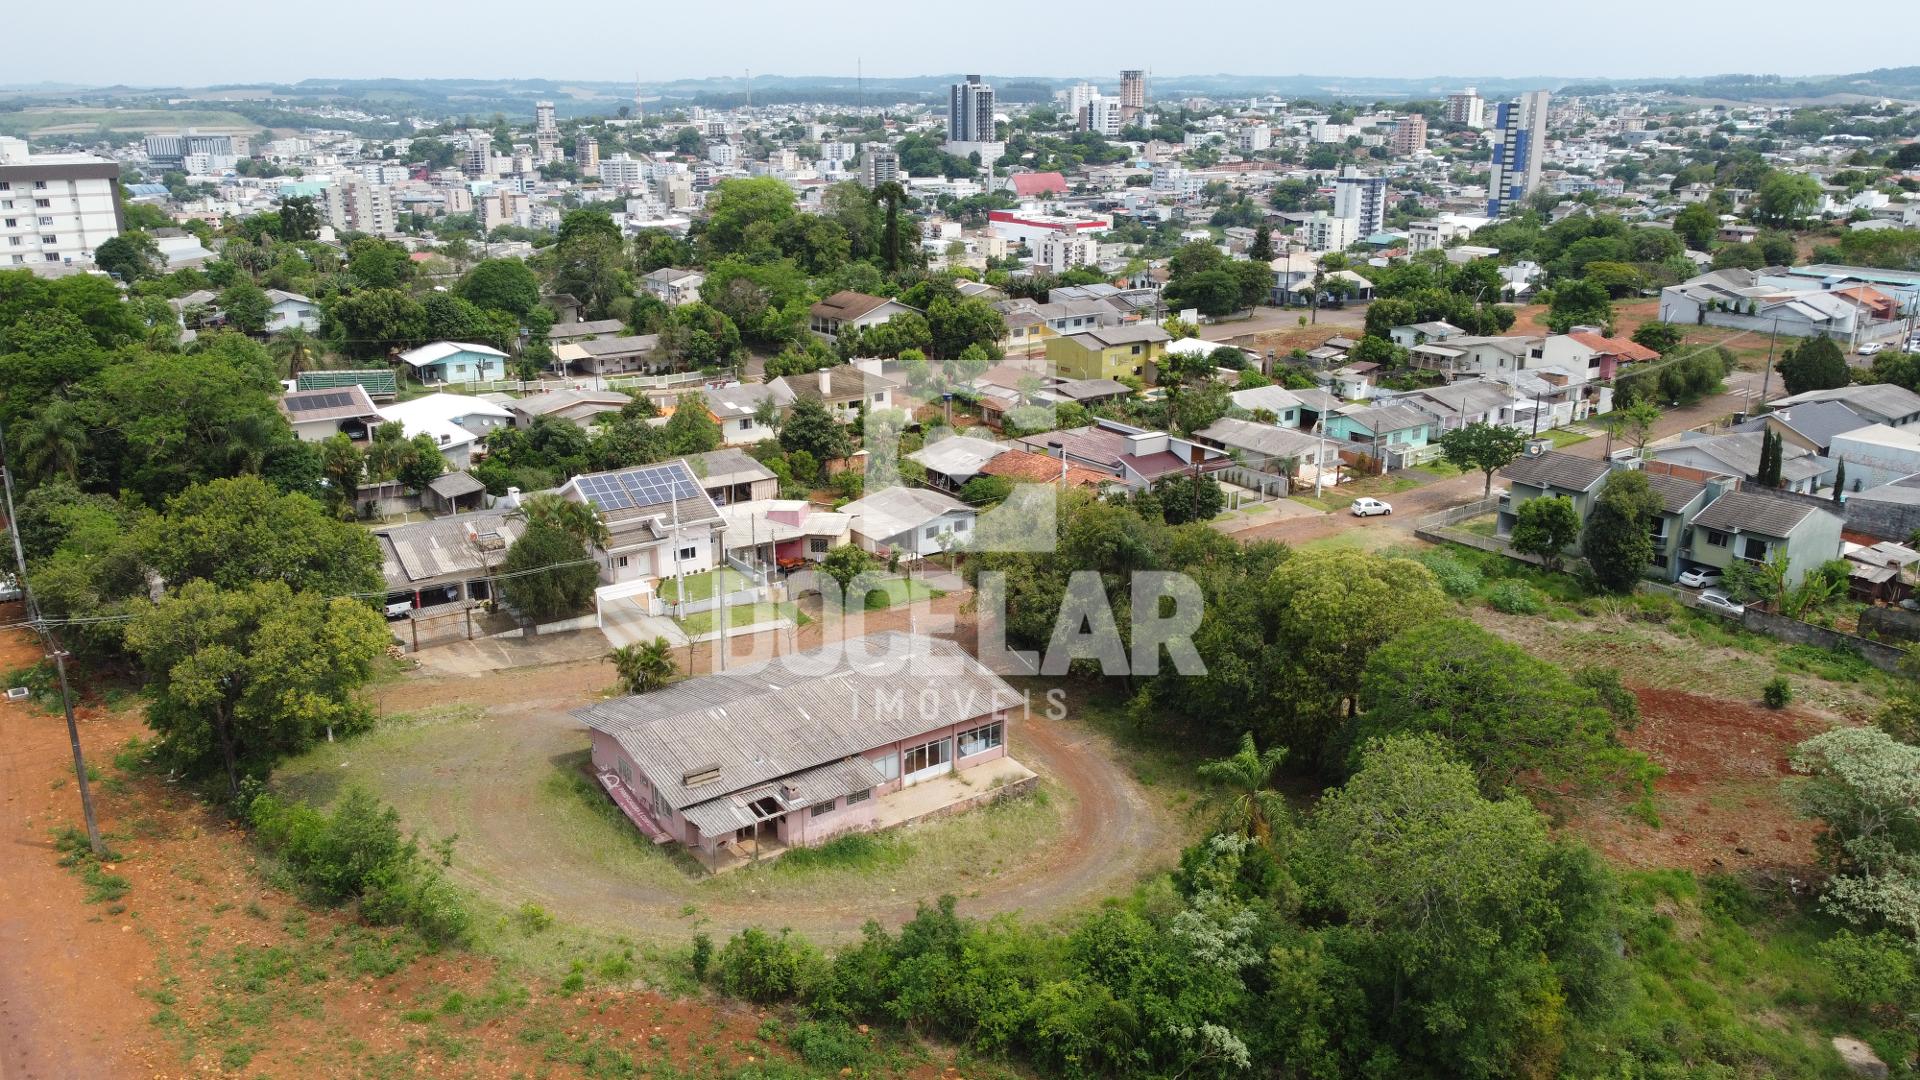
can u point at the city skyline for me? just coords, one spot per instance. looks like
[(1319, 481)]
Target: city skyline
[(780, 40)]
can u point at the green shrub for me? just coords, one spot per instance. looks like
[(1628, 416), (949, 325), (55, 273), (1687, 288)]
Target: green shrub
[(1516, 598), (1833, 665), (856, 850), (765, 967), (532, 918), (1777, 693), (1456, 577), (830, 1046), (1870, 971), (702, 958)]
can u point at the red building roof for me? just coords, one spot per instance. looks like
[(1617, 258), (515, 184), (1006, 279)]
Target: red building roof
[(1623, 349), (1028, 185)]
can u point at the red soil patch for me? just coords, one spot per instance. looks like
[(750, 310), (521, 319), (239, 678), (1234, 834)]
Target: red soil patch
[(1721, 801)]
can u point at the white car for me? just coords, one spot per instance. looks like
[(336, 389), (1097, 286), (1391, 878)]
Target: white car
[(1872, 347), (398, 609), (1702, 576), (1720, 603), (1364, 507)]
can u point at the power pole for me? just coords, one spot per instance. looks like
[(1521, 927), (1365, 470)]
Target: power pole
[(54, 652)]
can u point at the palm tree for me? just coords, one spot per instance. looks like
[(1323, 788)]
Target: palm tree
[(645, 666), (1253, 806), (50, 442), (578, 520), (293, 348)]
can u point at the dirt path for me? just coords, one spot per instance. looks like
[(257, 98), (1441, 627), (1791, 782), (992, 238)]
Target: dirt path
[(484, 780), (68, 1005)]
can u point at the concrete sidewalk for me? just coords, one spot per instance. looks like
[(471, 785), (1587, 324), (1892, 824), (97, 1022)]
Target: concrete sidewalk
[(485, 655)]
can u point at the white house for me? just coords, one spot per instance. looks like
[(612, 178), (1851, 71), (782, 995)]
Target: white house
[(1876, 454), (453, 421), (455, 361), (914, 521), (291, 310)]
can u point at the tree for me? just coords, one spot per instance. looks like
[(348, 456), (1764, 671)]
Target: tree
[(577, 519), (1544, 527), (1185, 497), (1697, 224), (845, 564), (239, 532), (691, 429), (1254, 807), (1482, 446), (1661, 337), (1462, 903), (130, 256), (241, 678), (547, 574), (246, 306), (1636, 423), (811, 429), (1576, 303), (1213, 292), (1618, 539), (1516, 720), (507, 285), (51, 442), (379, 264), (1784, 198), (343, 465), (737, 207), (1815, 364), (644, 666), (1865, 786), (1261, 251), (892, 194), (1767, 474), (422, 463), (1840, 484), (1330, 609), (368, 322), (299, 219)]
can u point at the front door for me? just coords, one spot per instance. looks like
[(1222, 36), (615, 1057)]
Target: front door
[(926, 761)]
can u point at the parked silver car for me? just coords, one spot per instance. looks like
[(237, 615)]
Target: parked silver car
[(1720, 603)]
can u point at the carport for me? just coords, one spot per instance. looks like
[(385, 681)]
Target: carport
[(624, 611)]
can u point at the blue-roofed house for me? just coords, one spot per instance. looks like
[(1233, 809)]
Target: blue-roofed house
[(456, 361)]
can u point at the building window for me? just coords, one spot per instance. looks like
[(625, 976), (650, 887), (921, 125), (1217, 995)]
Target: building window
[(621, 561), (43, 202), (981, 739), (932, 531), (822, 809), (1716, 538), (928, 756), (859, 796), (49, 239), (817, 545), (888, 766), (687, 553), (39, 185), (1756, 550)]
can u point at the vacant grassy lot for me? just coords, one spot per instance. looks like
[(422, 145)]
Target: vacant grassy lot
[(58, 120), (700, 586), (702, 622)]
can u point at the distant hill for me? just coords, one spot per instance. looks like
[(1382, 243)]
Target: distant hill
[(1901, 82)]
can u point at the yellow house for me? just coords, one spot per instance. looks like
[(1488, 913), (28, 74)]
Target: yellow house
[(1108, 352)]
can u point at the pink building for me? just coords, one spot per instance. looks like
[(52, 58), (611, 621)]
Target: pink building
[(783, 755)]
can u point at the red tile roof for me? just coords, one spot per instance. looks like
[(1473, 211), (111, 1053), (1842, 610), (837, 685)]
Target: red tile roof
[(1623, 349), (1027, 185), (1027, 467)]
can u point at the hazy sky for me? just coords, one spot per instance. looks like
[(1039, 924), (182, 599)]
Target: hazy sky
[(196, 42)]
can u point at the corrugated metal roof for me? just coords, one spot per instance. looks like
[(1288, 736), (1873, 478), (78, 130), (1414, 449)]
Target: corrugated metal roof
[(1746, 511)]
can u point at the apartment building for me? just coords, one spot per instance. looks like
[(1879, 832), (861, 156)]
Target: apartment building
[(1361, 199), (55, 209), (352, 203), (1522, 140)]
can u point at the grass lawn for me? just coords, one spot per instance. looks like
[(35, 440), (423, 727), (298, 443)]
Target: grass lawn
[(902, 591), (1342, 497), (701, 622), (1562, 438), (700, 586), (1318, 504)]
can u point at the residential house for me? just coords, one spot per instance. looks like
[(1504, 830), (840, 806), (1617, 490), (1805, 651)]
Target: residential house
[(561, 333), (788, 533), (673, 286), (455, 361), (1109, 352), (1273, 398), (291, 311), (1420, 333), (1547, 474), (455, 422), (1469, 401), (612, 355), (1601, 358), (1762, 300), (743, 763), (1026, 467), (454, 493), (447, 560), (1131, 456), (1395, 436), (579, 406), (847, 310), (911, 521), (1875, 403), (324, 413), (1876, 454), (1030, 324), (1682, 494), (845, 390), (956, 459), (659, 519), (1467, 354), (1738, 454), (1879, 573), (737, 409), (1268, 449), (732, 476), (1757, 527), (1353, 381), (1810, 425)]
